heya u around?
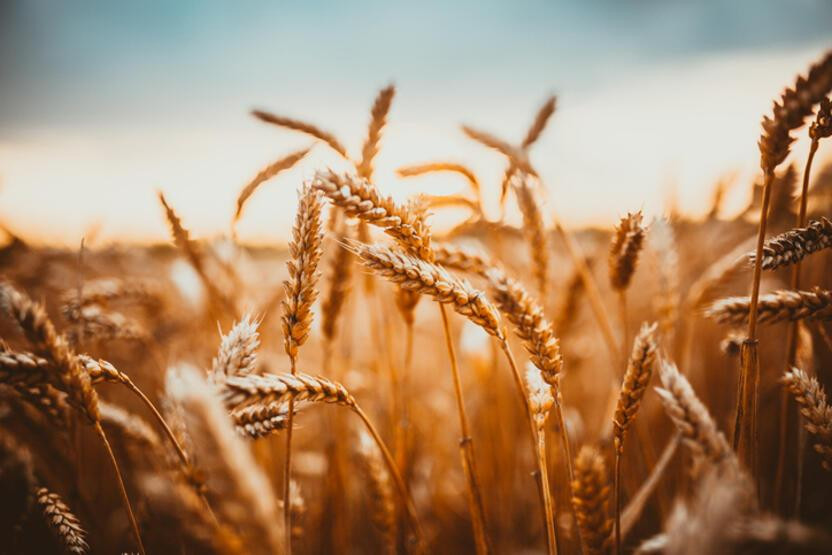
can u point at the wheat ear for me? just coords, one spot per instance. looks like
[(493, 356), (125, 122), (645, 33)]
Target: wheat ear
[(796, 244), (264, 175), (383, 508), (68, 376), (636, 378), (453, 167), (795, 106), (691, 417), (378, 113), (301, 291), (62, 521), (591, 501), (778, 306), (811, 399), (541, 401), (237, 354), (303, 127), (535, 232), (237, 488)]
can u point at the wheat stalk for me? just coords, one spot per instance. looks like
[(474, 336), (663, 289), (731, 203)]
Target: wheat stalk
[(429, 279), (237, 488), (795, 106), (516, 156), (383, 507), (535, 232), (303, 127), (541, 400), (778, 306), (796, 244), (691, 417), (359, 198), (636, 378), (591, 501), (62, 521), (811, 399), (381, 106), (264, 175), (182, 238)]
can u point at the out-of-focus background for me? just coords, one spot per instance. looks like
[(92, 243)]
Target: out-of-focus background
[(102, 103)]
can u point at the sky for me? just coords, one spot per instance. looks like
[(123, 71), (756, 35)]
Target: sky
[(104, 103)]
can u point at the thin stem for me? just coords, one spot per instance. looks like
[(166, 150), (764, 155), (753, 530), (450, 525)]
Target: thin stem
[(124, 497), (791, 342), (287, 469), (617, 496), (542, 482), (622, 307), (397, 478), (745, 430), (547, 494), (466, 446)]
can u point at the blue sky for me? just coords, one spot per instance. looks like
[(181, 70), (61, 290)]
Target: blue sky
[(109, 101)]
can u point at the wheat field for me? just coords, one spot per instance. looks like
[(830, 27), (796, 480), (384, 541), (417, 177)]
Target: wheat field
[(655, 385)]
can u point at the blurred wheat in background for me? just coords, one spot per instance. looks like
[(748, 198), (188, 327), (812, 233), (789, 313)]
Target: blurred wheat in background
[(378, 384)]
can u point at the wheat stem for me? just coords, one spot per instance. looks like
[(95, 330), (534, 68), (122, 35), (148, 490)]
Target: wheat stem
[(466, 447), (122, 490)]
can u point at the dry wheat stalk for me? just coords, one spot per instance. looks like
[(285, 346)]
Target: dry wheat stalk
[(237, 488), (237, 354), (68, 375), (516, 156), (264, 175), (591, 501), (529, 323), (541, 399), (811, 398), (130, 426), (535, 232), (359, 198), (62, 521), (189, 248), (539, 124), (691, 417), (636, 379), (381, 106), (383, 506), (305, 250), (242, 391), (774, 307), (791, 111), (432, 280), (432, 167), (624, 250), (796, 244), (303, 127)]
